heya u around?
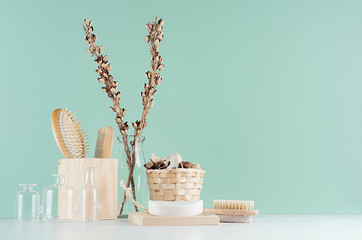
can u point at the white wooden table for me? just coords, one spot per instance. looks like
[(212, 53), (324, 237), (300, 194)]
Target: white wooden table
[(263, 227)]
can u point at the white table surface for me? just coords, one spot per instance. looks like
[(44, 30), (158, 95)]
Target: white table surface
[(263, 227)]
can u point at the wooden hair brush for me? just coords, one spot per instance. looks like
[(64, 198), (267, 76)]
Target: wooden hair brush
[(235, 211), (69, 135)]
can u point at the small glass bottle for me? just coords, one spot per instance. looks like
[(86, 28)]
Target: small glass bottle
[(27, 204), (59, 201), (89, 197)]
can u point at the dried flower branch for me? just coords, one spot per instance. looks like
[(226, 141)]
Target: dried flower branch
[(154, 37), (105, 77), (110, 87)]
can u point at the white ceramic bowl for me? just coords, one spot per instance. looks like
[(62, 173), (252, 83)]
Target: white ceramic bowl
[(179, 208)]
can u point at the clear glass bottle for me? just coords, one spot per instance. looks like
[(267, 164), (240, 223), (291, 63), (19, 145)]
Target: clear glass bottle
[(59, 201), (27, 204), (89, 197), (135, 147)]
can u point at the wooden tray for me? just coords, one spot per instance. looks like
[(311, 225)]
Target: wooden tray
[(146, 219)]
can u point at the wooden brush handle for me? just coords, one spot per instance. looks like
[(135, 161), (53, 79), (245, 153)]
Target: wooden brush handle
[(234, 212)]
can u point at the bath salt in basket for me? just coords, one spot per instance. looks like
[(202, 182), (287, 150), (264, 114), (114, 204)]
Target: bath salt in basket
[(175, 184)]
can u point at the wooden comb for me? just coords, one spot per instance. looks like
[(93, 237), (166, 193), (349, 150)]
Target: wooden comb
[(69, 134), (104, 143)]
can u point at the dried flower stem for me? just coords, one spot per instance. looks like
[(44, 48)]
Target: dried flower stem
[(154, 37), (110, 88), (154, 78)]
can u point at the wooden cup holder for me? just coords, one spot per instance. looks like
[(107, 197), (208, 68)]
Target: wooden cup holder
[(106, 178)]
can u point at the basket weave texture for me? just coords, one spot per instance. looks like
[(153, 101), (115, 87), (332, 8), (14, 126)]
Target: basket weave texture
[(175, 184)]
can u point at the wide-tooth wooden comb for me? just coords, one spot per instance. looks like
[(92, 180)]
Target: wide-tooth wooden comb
[(104, 143), (69, 135)]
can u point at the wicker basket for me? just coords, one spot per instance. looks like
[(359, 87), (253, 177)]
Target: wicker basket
[(175, 184)]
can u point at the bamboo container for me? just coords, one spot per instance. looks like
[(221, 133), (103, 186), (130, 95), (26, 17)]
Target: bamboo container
[(106, 177)]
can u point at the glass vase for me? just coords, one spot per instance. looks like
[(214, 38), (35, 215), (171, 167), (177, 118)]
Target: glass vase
[(27, 204), (59, 201), (135, 147), (89, 197)]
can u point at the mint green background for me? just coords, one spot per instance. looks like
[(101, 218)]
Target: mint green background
[(265, 95)]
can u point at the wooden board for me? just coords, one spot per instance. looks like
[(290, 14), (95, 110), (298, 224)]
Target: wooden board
[(106, 178), (146, 219)]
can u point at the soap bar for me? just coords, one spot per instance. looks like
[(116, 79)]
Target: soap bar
[(178, 208)]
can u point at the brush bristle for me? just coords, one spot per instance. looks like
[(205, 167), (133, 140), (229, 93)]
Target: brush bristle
[(234, 204), (72, 135)]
